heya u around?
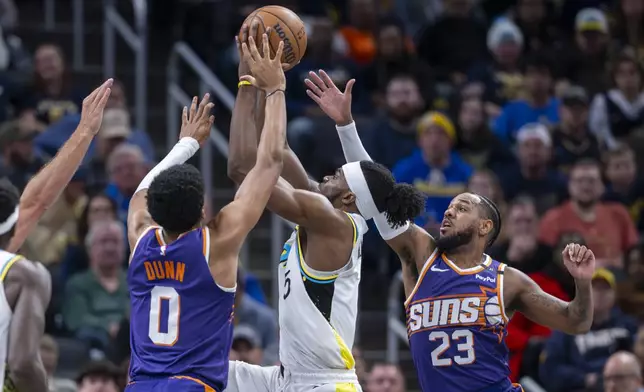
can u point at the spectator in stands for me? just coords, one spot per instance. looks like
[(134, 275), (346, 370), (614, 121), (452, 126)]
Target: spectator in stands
[(571, 139), (576, 362), (521, 248), (14, 101), (619, 112), (584, 61), (456, 28), (385, 377), (539, 106), (49, 354), (19, 161), (624, 184), (261, 317), (479, 146), (361, 366), (126, 168), (247, 345), (539, 30), (97, 300), (48, 240), (629, 19), (395, 56), (500, 79), (55, 135), (606, 228), (358, 36), (53, 94), (98, 208), (622, 373), (398, 127), (638, 346), (435, 168), (99, 376), (630, 290), (533, 176)]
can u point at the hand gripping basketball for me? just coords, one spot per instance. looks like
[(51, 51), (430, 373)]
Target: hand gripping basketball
[(266, 73)]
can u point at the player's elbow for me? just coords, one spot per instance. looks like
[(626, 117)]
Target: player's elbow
[(236, 172), (580, 327)]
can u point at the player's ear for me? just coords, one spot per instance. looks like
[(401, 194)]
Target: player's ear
[(485, 227), (348, 198)]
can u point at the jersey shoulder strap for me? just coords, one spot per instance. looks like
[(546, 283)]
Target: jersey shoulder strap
[(7, 259)]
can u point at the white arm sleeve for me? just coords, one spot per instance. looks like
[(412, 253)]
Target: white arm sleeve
[(180, 153), (351, 143), (355, 151)]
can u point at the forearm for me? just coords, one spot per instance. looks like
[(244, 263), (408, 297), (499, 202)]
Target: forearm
[(28, 375), (45, 188), (351, 143), (243, 134), (273, 138), (579, 312)]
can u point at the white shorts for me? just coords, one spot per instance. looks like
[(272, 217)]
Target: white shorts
[(244, 377)]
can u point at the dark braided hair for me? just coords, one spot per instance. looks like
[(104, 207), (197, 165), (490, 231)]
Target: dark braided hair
[(176, 198), (490, 211), (400, 202), (9, 199)]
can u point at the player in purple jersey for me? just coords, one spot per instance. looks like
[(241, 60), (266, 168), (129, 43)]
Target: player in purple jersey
[(182, 273), (458, 308)]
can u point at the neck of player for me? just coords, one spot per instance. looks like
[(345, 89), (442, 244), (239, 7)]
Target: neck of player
[(466, 256)]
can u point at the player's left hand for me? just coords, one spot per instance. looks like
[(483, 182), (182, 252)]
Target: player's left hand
[(335, 103), (197, 122), (93, 107), (579, 261)]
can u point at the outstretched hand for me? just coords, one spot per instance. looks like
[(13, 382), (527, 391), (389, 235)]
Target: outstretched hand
[(335, 103), (197, 122), (579, 261), (93, 107), (266, 73)]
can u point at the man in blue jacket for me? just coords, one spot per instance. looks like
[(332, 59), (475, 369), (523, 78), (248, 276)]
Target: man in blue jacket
[(575, 363)]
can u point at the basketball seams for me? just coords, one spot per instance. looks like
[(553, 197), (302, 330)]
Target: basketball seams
[(297, 41)]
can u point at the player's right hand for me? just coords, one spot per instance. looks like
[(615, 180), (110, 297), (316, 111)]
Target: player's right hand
[(93, 107), (266, 73), (335, 103), (197, 122)]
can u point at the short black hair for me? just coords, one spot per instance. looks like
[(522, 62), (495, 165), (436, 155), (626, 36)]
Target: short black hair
[(9, 200), (176, 198), (399, 202), (490, 211)]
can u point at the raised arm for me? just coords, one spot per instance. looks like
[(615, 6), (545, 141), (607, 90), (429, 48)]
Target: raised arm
[(195, 129), (46, 186), (572, 317), (232, 224), (28, 289)]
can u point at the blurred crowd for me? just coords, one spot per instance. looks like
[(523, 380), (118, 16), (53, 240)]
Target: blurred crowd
[(536, 104)]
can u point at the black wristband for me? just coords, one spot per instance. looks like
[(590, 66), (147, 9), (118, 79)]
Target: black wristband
[(275, 91)]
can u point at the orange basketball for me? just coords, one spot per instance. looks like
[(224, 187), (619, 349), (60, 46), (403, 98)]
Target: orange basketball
[(285, 26)]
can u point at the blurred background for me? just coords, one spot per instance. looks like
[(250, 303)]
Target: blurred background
[(536, 104)]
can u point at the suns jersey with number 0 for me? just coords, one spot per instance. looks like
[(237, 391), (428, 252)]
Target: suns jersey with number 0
[(456, 325), (6, 261), (318, 310), (181, 320)]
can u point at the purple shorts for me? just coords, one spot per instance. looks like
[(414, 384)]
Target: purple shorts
[(171, 384)]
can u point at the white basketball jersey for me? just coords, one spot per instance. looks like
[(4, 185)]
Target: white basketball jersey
[(318, 310), (6, 261)]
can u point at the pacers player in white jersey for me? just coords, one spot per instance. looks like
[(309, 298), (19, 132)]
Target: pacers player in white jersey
[(25, 286), (319, 269)]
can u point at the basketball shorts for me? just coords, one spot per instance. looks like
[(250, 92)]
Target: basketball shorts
[(243, 377), (171, 384)]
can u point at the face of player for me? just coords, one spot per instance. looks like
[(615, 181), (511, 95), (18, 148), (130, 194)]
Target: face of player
[(386, 378), (462, 222), (336, 189)]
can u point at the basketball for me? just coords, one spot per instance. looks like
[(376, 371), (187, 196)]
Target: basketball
[(285, 26)]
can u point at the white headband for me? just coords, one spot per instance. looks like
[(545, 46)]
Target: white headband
[(358, 185), (10, 222)]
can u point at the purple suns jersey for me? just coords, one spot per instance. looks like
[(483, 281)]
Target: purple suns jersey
[(181, 320), (456, 326)]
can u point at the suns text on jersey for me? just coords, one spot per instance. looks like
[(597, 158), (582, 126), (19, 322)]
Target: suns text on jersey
[(457, 311), (160, 270)]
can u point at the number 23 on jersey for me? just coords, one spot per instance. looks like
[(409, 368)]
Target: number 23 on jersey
[(464, 341)]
